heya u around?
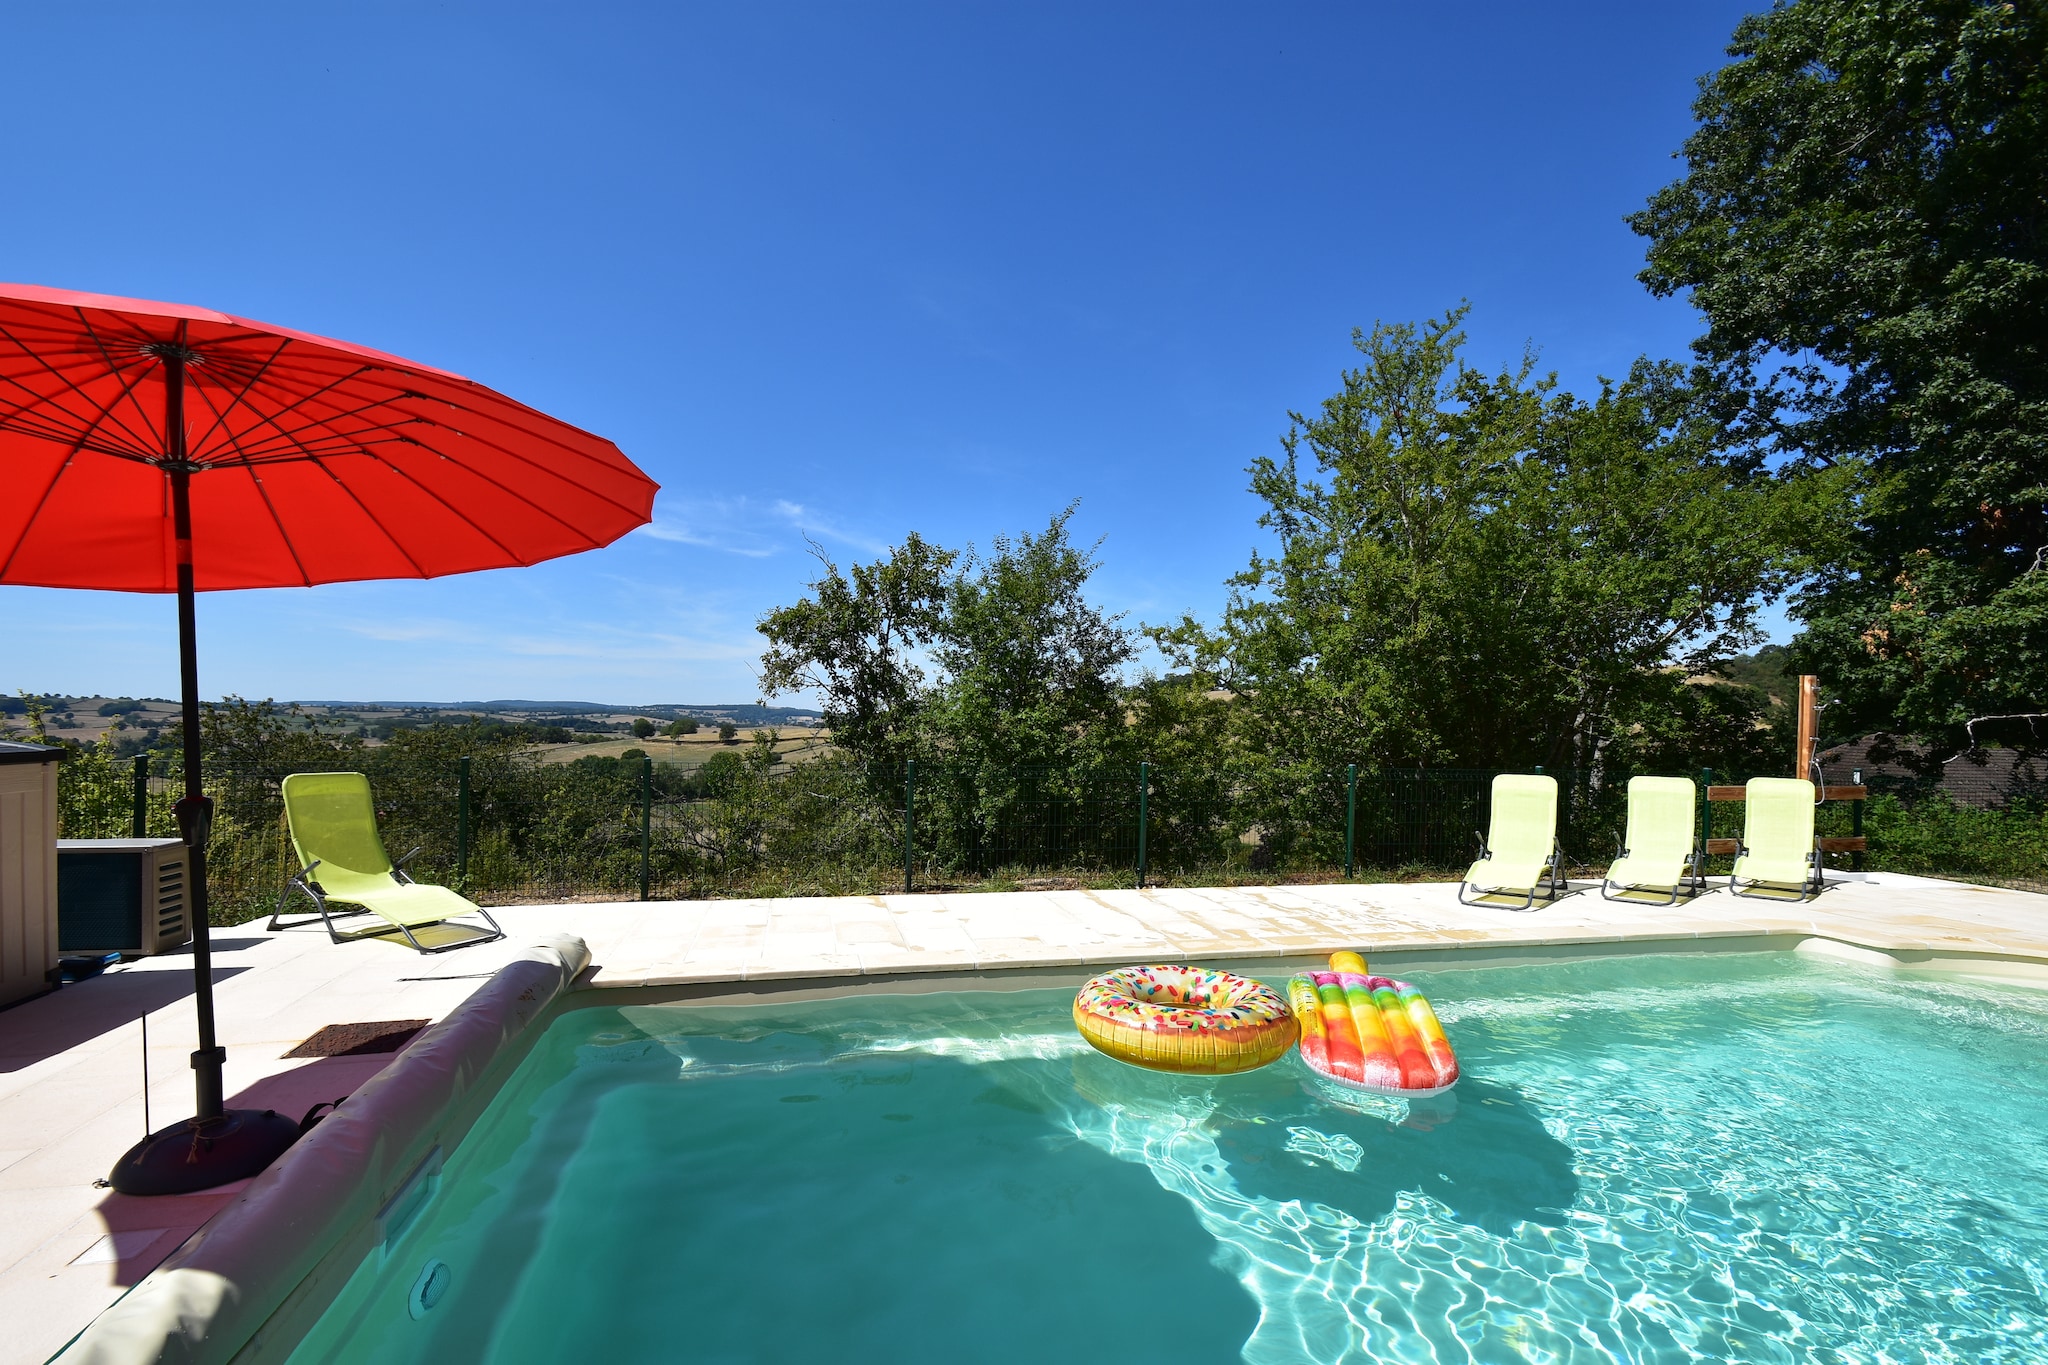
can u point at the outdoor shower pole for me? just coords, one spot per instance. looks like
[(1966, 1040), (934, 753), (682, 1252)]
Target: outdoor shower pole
[(1856, 822), (1802, 754)]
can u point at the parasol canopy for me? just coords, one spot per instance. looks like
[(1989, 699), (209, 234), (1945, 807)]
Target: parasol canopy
[(152, 447), (311, 460)]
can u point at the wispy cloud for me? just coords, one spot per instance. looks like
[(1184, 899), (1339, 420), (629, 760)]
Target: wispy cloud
[(814, 523), (745, 526), (727, 524), (573, 640)]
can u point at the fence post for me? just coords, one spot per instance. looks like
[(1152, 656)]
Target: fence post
[(1144, 793), (141, 821), (1706, 810), (1856, 822), (646, 818), (1350, 818), (462, 822), (909, 820)]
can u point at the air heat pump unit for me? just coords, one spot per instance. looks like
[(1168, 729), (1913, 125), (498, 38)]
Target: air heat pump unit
[(122, 896)]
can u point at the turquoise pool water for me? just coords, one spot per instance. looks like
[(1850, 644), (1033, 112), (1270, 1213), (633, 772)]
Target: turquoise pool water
[(1744, 1158)]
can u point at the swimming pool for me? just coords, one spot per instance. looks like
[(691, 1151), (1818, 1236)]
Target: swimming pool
[(1745, 1158)]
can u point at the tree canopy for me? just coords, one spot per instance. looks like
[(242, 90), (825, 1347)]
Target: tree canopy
[(1860, 224), (1479, 570), (995, 658)]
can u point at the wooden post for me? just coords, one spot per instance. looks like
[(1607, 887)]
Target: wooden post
[(1802, 757)]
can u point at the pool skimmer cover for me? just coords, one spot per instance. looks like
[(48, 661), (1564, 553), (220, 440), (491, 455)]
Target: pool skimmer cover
[(428, 1288)]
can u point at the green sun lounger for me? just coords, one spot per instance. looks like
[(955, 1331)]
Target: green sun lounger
[(1519, 855), (1660, 853), (1778, 852), (334, 833)]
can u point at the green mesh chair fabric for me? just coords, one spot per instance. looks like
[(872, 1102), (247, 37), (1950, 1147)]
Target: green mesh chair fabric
[(334, 823), (1658, 851), (334, 832), (1777, 834), (1521, 837)]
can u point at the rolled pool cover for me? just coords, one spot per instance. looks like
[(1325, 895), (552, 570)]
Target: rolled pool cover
[(1371, 1032)]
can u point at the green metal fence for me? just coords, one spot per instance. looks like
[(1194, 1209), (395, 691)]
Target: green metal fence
[(508, 827)]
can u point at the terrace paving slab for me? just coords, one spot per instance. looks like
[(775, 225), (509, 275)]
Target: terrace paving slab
[(71, 1063)]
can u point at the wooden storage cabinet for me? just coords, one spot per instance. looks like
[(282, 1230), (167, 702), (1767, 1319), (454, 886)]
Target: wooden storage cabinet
[(28, 870)]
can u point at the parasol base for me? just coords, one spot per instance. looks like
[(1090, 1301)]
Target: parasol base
[(199, 1154)]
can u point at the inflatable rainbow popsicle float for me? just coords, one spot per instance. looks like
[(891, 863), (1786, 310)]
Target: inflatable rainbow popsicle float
[(1363, 1033), (1371, 1033)]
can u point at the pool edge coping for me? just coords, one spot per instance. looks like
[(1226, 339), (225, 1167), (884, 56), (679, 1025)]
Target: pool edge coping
[(220, 1294)]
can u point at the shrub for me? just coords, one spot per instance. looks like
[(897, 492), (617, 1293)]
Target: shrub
[(1935, 837)]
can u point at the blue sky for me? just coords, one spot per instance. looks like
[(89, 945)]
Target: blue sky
[(835, 271)]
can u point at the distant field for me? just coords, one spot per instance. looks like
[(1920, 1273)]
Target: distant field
[(78, 721), (793, 746)]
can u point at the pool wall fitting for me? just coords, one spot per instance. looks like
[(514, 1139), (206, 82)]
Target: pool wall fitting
[(322, 1204)]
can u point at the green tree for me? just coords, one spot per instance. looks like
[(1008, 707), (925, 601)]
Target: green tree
[(643, 728), (983, 659), (257, 740), (1860, 224), (1482, 571), (1032, 668), (682, 726), (857, 640)]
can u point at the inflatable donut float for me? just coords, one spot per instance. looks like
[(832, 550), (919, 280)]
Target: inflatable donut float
[(1185, 1019)]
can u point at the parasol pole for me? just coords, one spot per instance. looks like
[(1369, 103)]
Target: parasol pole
[(195, 809), (216, 1145)]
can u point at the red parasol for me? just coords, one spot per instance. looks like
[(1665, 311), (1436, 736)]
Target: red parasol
[(151, 447)]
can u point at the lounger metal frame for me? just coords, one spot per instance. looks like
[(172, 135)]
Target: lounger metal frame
[(1691, 881), (1818, 882), (303, 880), (1550, 882)]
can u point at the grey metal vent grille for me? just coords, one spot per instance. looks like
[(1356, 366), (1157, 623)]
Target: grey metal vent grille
[(170, 898)]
